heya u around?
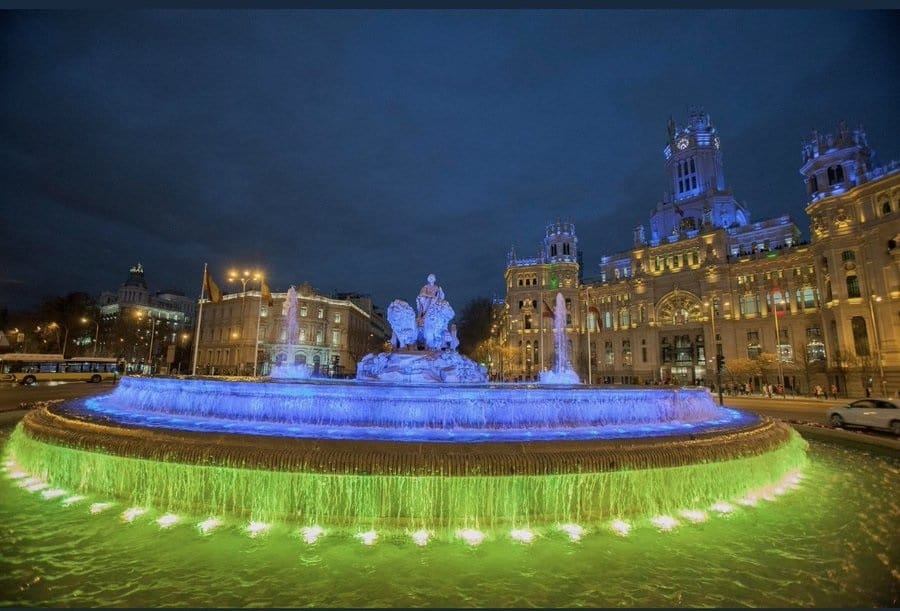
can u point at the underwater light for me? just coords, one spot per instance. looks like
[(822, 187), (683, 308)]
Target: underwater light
[(36, 486), (574, 531), (207, 525), (170, 519), (131, 513), (19, 474), (620, 527), (98, 507), (368, 537), (420, 537), (723, 507), (693, 515), (53, 493), (664, 522), (522, 535), (470, 536), (311, 534), (257, 528), (72, 499)]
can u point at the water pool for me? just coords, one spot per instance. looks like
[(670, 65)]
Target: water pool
[(832, 542)]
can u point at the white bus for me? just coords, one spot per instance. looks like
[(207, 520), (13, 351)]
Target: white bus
[(31, 368)]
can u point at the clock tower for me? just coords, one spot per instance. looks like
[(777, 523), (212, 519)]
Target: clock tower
[(697, 197)]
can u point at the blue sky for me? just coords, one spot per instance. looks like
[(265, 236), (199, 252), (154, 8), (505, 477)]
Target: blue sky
[(362, 150)]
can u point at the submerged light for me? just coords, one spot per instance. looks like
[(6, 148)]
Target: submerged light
[(368, 538), (574, 531), (311, 534), (620, 527), (207, 525), (470, 536), (522, 535), (694, 515), (420, 537), (664, 522), (257, 528), (170, 519), (131, 513)]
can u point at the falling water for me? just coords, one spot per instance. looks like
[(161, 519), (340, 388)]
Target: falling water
[(289, 370), (562, 372)]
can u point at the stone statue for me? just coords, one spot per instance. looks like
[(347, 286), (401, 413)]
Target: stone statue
[(430, 293), (402, 319)]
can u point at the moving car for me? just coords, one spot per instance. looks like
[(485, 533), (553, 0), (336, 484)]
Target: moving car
[(882, 414)]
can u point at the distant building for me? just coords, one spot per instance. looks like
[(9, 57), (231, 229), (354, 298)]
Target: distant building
[(132, 315), (647, 316), (334, 333)]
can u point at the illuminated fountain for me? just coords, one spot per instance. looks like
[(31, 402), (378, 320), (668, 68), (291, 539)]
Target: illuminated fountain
[(562, 372), (289, 370), (419, 446)]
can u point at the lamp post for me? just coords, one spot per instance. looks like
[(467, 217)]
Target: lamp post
[(244, 277), (711, 304), (65, 338), (778, 339), (96, 332), (152, 333), (873, 298)]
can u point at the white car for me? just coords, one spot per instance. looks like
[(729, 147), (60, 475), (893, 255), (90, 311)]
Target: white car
[(883, 414)]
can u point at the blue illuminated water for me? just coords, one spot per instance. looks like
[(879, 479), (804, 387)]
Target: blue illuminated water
[(413, 413)]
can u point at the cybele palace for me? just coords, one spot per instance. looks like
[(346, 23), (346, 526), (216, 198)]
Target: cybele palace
[(707, 295)]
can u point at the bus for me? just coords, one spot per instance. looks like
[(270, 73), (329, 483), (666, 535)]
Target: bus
[(29, 369)]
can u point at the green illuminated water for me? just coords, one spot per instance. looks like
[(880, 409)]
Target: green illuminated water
[(831, 543), (371, 501)]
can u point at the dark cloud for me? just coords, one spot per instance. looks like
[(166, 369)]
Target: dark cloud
[(360, 150)]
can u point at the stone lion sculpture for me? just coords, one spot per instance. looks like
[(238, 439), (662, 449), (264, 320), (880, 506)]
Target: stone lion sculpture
[(402, 319), (434, 323)]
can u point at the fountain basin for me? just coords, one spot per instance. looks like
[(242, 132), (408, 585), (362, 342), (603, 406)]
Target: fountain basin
[(324, 454)]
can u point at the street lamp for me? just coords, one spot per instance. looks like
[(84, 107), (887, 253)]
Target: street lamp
[(152, 333), (778, 338), (712, 317), (873, 298), (96, 331), (244, 277), (65, 339)]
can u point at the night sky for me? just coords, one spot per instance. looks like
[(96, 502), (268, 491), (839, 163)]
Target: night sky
[(361, 150)]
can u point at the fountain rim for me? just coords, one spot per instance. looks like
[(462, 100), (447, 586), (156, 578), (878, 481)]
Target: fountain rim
[(53, 424)]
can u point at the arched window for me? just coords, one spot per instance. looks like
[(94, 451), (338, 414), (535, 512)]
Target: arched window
[(607, 320), (839, 173), (624, 318), (813, 185), (886, 207), (831, 178), (860, 337)]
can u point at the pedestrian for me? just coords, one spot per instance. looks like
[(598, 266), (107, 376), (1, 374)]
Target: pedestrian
[(818, 391), (834, 391)]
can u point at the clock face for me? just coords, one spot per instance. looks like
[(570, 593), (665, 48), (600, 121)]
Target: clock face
[(682, 143)]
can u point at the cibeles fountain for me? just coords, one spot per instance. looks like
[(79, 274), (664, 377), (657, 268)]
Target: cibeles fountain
[(420, 445)]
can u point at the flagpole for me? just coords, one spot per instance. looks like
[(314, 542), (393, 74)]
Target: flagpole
[(587, 298), (199, 318)]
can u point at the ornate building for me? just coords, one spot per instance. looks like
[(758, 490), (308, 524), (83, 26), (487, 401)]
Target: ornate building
[(334, 333), (142, 327), (706, 281)]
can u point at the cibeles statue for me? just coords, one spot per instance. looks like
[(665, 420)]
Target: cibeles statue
[(433, 315), (423, 344)]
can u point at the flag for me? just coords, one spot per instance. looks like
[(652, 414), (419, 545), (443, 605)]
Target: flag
[(211, 288), (548, 313), (266, 293)]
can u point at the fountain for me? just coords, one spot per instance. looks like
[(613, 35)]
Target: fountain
[(419, 442), (562, 372), (289, 370)]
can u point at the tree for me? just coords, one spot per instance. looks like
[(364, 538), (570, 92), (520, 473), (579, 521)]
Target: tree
[(805, 367), (742, 370), (474, 326)]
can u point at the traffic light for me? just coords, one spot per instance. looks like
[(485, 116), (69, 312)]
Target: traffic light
[(720, 363)]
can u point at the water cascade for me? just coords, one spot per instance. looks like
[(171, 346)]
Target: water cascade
[(289, 370), (562, 372)]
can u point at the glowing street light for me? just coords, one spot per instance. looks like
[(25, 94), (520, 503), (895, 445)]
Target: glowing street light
[(140, 316), (55, 325), (96, 331), (244, 277)]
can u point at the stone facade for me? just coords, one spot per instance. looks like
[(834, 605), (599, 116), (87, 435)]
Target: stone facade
[(704, 280), (334, 334)]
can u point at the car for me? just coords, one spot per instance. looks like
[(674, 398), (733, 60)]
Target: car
[(881, 414)]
